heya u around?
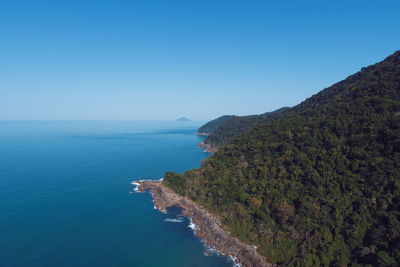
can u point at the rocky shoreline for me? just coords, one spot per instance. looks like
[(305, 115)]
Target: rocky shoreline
[(208, 226), (202, 134), (207, 147)]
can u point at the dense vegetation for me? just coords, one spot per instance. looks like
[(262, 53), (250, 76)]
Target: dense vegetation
[(319, 186), (235, 126), (211, 126)]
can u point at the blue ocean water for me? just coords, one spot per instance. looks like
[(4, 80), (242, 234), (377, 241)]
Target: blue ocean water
[(66, 197)]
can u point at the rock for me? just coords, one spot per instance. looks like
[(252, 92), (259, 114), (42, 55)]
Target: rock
[(207, 147), (208, 226)]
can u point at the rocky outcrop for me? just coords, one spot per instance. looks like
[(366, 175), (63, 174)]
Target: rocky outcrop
[(208, 226), (207, 147)]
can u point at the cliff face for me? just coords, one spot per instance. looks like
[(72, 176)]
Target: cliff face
[(207, 147), (208, 226), (319, 184)]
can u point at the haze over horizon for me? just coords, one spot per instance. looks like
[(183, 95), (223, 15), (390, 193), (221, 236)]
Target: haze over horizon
[(161, 60)]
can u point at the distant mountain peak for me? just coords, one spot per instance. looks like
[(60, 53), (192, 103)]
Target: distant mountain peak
[(183, 119)]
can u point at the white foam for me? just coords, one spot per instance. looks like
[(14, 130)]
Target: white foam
[(173, 220), (159, 209), (136, 184), (235, 261), (192, 225), (211, 250)]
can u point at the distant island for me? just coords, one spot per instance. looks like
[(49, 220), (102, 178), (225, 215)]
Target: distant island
[(183, 119)]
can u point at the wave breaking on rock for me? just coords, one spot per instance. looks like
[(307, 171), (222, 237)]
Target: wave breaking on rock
[(205, 225)]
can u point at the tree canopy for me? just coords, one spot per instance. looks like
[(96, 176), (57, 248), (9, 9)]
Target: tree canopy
[(234, 126), (318, 185)]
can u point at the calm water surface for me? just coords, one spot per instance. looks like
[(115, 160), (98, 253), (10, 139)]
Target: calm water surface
[(66, 197)]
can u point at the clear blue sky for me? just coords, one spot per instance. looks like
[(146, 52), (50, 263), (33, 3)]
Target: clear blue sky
[(166, 59)]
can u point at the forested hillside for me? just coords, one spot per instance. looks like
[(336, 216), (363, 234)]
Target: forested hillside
[(236, 125), (318, 186), (211, 126)]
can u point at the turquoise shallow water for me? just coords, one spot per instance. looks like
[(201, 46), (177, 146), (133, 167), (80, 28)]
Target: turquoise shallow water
[(65, 194)]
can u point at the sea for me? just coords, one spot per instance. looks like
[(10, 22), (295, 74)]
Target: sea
[(66, 197)]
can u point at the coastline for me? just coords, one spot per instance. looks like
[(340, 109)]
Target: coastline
[(208, 227), (207, 147)]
